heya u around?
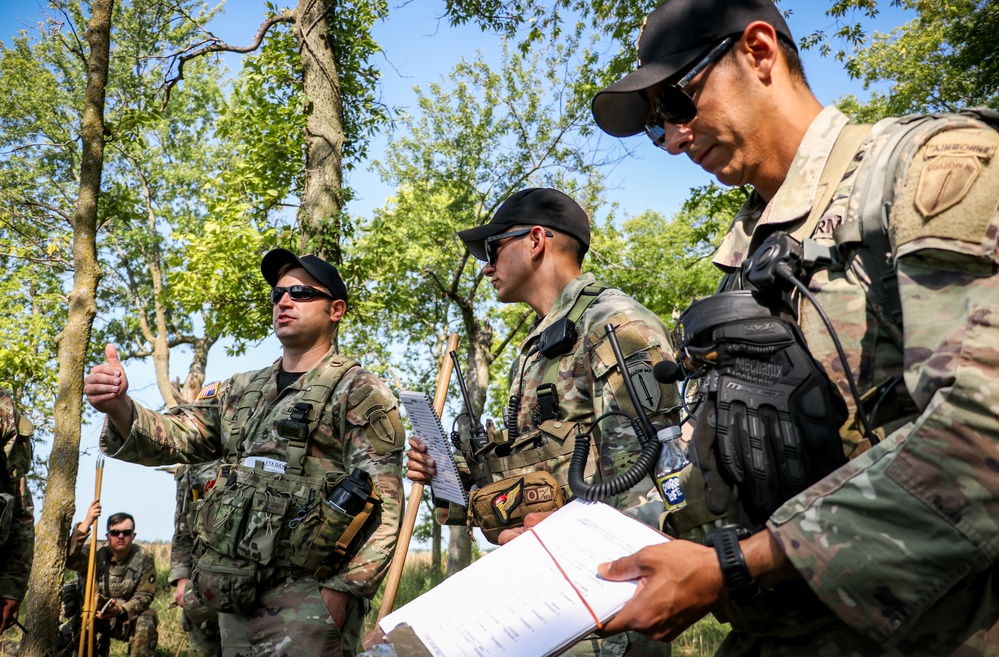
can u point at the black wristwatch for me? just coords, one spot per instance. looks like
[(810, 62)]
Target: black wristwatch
[(742, 587)]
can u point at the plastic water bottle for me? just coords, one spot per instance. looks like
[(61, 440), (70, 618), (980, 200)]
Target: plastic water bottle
[(671, 461)]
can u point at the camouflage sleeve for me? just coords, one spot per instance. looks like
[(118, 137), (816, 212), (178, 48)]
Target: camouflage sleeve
[(17, 551), (921, 510), (644, 343), (373, 440), (78, 550), (185, 434), (145, 590), (182, 544)]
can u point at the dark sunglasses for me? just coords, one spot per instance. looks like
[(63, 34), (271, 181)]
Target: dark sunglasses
[(120, 532), (492, 243), (674, 105), (297, 293)]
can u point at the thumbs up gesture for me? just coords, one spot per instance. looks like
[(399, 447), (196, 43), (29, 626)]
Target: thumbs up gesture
[(106, 385)]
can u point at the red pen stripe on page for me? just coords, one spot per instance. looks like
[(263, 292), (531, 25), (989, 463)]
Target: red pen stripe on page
[(586, 604)]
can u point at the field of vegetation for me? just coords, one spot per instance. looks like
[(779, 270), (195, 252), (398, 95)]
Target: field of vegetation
[(419, 576)]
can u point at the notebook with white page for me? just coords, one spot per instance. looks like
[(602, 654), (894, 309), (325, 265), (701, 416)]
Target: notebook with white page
[(542, 589), (446, 484)]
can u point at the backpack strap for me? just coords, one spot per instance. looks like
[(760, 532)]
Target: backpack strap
[(847, 143), (589, 294), (248, 404), (872, 193)]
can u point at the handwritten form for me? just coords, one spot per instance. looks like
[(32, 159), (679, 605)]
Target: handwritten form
[(515, 600), (446, 484)]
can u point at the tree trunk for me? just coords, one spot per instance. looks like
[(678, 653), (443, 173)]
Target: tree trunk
[(41, 612), (196, 372), (435, 546), (459, 549), (319, 217)]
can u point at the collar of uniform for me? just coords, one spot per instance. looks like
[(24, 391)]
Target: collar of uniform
[(300, 382), (795, 197), (563, 304)]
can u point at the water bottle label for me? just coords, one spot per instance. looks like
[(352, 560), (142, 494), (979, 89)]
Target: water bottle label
[(672, 494)]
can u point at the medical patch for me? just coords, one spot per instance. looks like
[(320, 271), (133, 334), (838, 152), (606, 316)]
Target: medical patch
[(504, 502), (209, 391)]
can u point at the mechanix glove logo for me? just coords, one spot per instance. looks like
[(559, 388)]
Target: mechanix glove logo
[(505, 502)]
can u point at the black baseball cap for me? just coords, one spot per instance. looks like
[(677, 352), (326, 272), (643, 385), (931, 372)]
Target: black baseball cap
[(319, 269), (535, 206), (674, 35)]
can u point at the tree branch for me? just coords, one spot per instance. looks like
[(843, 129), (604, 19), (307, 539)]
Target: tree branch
[(216, 45)]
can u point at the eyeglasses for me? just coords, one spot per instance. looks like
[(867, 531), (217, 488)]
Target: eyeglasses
[(674, 105), (297, 293), (492, 243), (120, 532)]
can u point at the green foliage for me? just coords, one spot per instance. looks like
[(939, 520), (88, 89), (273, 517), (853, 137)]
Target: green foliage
[(935, 62), (471, 145), (666, 264)]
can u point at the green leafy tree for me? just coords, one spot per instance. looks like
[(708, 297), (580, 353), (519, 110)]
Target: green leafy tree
[(666, 263), (940, 61), (41, 608), (489, 135)]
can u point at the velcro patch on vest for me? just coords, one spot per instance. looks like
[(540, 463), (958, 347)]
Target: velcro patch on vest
[(505, 502), (539, 495), (209, 391)]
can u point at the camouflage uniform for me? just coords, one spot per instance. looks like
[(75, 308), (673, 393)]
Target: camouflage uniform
[(132, 582), (898, 547), (201, 623), (358, 426), (17, 526), (589, 384)]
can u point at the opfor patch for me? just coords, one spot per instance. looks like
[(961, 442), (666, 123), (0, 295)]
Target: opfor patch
[(209, 391), (504, 502)]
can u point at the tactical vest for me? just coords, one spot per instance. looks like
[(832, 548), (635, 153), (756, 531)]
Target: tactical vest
[(281, 520), (560, 435)]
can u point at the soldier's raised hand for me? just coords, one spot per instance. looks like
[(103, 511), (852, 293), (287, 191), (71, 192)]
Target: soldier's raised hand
[(106, 387)]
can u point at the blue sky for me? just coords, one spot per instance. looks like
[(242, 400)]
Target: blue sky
[(419, 48)]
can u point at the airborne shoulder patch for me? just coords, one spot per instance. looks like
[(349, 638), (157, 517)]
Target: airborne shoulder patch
[(209, 391)]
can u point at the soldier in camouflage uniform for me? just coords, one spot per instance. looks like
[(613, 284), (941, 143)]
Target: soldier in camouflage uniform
[(533, 248), (17, 526), (895, 552), (292, 573), (125, 580), (201, 623)]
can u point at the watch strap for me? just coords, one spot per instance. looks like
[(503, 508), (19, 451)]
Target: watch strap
[(741, 585)]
